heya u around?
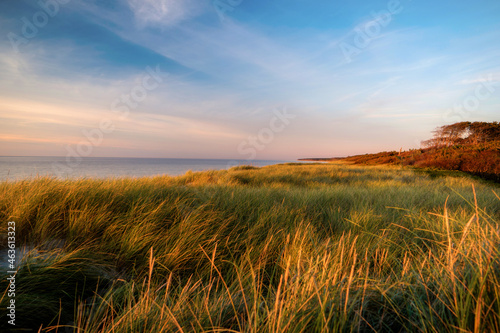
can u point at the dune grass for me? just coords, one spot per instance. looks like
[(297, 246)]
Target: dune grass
[(286, 248)]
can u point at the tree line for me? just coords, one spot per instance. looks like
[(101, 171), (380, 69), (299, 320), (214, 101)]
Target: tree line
[(464, 133)]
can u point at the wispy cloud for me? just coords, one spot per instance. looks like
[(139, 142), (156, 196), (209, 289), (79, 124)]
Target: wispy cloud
[(490, 77), (164, 12)]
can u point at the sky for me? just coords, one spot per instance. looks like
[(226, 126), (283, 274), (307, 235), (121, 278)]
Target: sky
[(242, 79)]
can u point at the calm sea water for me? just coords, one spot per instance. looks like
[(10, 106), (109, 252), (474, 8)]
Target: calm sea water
[(14, 168)]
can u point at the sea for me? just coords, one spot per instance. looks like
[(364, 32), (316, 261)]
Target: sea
[(27, 167)]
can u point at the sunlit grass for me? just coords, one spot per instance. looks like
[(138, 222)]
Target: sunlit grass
[(295, 248)]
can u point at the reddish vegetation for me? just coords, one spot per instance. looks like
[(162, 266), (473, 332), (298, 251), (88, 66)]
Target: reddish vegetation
[(470, 147)]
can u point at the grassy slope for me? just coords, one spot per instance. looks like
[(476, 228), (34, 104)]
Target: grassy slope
[(481, 159), (294, 248)]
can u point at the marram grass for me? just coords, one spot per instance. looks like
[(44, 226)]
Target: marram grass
[(287, 248)]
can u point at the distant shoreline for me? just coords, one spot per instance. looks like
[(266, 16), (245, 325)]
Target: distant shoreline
[(321, 159)]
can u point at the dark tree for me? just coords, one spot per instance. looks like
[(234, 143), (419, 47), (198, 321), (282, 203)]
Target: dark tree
[(464, 133)]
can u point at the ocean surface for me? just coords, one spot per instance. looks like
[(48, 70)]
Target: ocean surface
[(15, 168)]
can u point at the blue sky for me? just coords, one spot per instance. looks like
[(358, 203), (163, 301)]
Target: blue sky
[(350, 77)]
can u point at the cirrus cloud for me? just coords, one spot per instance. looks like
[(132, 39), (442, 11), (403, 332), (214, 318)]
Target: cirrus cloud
[(163, 12)]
